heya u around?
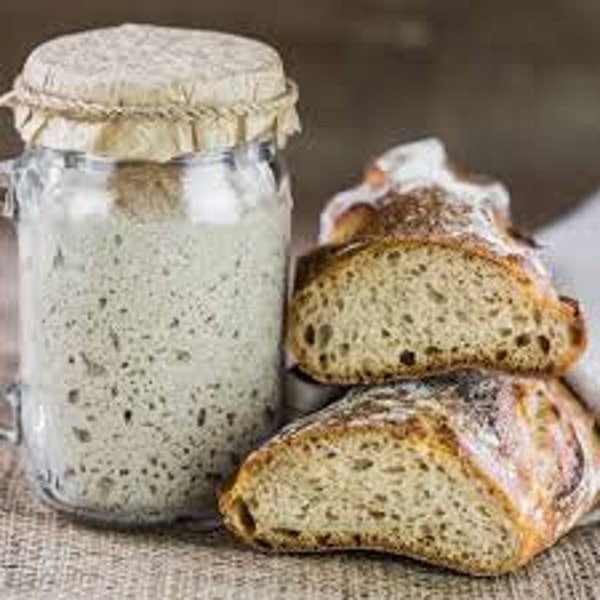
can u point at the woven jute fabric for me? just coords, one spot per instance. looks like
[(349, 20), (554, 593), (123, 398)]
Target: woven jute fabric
[(141, 92), (44, 555)]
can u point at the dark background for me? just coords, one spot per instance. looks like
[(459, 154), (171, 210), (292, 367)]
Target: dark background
[(512, 86)]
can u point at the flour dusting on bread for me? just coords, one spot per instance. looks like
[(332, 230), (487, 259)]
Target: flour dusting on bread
[(409, 167)]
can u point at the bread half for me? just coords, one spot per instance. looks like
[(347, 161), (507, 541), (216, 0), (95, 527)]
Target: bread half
[(474, 473), (425, 276)]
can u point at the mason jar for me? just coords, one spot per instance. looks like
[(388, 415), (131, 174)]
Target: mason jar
[(152, 298)]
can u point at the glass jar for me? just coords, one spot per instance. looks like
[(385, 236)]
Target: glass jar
[(151, 305)]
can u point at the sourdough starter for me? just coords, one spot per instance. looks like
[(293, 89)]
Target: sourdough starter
[(152, 343)]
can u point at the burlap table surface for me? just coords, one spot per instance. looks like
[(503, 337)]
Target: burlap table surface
[(45, 555)]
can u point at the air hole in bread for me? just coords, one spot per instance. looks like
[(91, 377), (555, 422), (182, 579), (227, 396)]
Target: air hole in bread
[(370, 445), (385, 333), (331, 515), (523, 340), (436, 296), (244, 516), (324, 539), (376, 514), (408, 358), (309, 335), (544, 344), (505, 332), (501, 355), (362, 464), (394, 469), (289, 533)]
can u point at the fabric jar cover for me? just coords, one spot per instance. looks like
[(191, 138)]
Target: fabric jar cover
[(141, 92)]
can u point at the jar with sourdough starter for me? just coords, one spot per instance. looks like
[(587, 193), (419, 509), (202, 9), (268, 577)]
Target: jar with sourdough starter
[(153, 215)]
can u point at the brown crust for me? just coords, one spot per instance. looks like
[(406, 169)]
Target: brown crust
[(431, 217), (528, 443)]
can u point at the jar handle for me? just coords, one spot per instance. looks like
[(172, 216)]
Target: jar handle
[(6, 196), (11, 393)]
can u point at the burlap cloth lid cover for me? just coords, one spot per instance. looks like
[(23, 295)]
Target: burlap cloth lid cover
[(152, 93)]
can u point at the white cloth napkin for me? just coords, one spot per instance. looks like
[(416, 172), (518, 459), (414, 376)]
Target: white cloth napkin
[(573, 251)]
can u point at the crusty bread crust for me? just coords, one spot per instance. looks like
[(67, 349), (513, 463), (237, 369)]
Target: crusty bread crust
[(527, 442), (433, 218)]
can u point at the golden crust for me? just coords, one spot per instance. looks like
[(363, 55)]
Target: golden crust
[(528, 443), (434, 216)]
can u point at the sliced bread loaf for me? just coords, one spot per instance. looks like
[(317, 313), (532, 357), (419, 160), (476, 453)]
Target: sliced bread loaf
[(475, 473), (420, 273)]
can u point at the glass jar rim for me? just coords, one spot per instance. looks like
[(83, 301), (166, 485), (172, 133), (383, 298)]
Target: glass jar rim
[(257, 150)]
